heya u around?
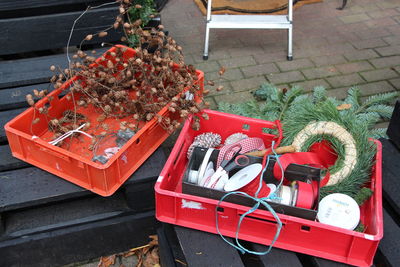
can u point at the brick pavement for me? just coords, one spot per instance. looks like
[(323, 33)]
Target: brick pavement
[(336, 49)]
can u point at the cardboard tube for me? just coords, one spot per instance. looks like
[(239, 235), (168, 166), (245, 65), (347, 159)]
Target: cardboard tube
[(278, 150)]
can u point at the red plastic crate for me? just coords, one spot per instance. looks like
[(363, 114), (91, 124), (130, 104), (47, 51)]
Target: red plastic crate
[(297, 234), (29, 142)]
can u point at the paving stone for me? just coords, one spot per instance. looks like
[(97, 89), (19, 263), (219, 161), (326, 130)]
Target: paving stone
[(361, 55), (271, 57), (354, 67), (320, 72), (227, 87), (328, 60), (392, 40), (363, 8), (345, 80), (375, 88), (389, 51), (212, 55), (295, 64), (387, 4), (212, 102), (234, 97), (229, 75), (373, 33), (385, 61), (238, 62), (286, 77), (339, 93), (370, 43), (308, 86), (379, 23), (383, 124), (207, 66), (248, 84), (395, 83), (259, 70), (245, 51), (354, 18), (382, 13), (377, 75)]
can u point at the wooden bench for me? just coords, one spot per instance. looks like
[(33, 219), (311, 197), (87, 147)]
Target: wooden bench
[(45, 220)]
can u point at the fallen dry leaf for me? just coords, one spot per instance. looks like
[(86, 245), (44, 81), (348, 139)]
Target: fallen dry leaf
[(106, 261), (211, 83), (206, 92), (343, 106), (219, 88)]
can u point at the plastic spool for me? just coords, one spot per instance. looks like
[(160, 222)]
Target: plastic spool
[(205, 179), (339, 210), (285, 195), (219, 185), (244, 180), (303, 195), (193, 176), (205, 163)]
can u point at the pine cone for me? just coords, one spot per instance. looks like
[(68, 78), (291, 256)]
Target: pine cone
[(206, 140)]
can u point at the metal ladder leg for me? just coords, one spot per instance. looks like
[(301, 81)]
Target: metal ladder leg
[(205, 55), (290, 30), (290, 43)]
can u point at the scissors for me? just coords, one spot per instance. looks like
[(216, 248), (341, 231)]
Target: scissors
[(220, 177)]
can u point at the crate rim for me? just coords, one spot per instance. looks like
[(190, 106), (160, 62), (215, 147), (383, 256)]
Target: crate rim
[(377, 186)]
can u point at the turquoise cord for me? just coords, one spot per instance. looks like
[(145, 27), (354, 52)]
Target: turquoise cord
[(258, 201)]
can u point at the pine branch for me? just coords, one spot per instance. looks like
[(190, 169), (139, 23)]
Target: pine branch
[(383, 110), (385, 98), (353, 98), (377, 133)]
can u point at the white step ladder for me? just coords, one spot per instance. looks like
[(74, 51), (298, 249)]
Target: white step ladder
[(250, 22)]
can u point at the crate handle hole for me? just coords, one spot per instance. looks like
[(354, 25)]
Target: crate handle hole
[(220, 209), (305, 228), (137, 141), (246, 127)]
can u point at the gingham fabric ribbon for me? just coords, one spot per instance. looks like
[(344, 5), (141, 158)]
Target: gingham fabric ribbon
[(248, 145)]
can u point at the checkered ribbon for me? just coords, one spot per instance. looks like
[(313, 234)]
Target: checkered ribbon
[(247, 144)]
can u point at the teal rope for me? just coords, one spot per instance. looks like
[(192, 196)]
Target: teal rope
[(259, 201)]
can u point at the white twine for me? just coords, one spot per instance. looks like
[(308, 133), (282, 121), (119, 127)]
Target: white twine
[(69, 133)]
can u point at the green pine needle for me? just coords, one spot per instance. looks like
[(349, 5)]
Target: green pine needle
[(296, 110)]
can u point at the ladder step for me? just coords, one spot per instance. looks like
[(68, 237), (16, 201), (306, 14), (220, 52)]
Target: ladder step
[(249, 21)]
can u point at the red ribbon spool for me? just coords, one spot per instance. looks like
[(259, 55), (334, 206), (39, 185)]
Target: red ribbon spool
[(252, 187), (305, 195)]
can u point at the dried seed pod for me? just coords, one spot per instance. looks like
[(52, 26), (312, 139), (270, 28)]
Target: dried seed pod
[(196, 125), (184, 113), (221, 71), (89, 37), (104, 133), (121, 10), (29, 99), (205, 116), (102, 34), (35, 121), (52, 68), (219, 88), (211, 83), (101, 118), (36, 92), (138, 6), (116, 25), (110, 65)]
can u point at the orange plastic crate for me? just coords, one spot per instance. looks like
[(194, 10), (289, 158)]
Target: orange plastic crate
[(29, 142), (297, 234)]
